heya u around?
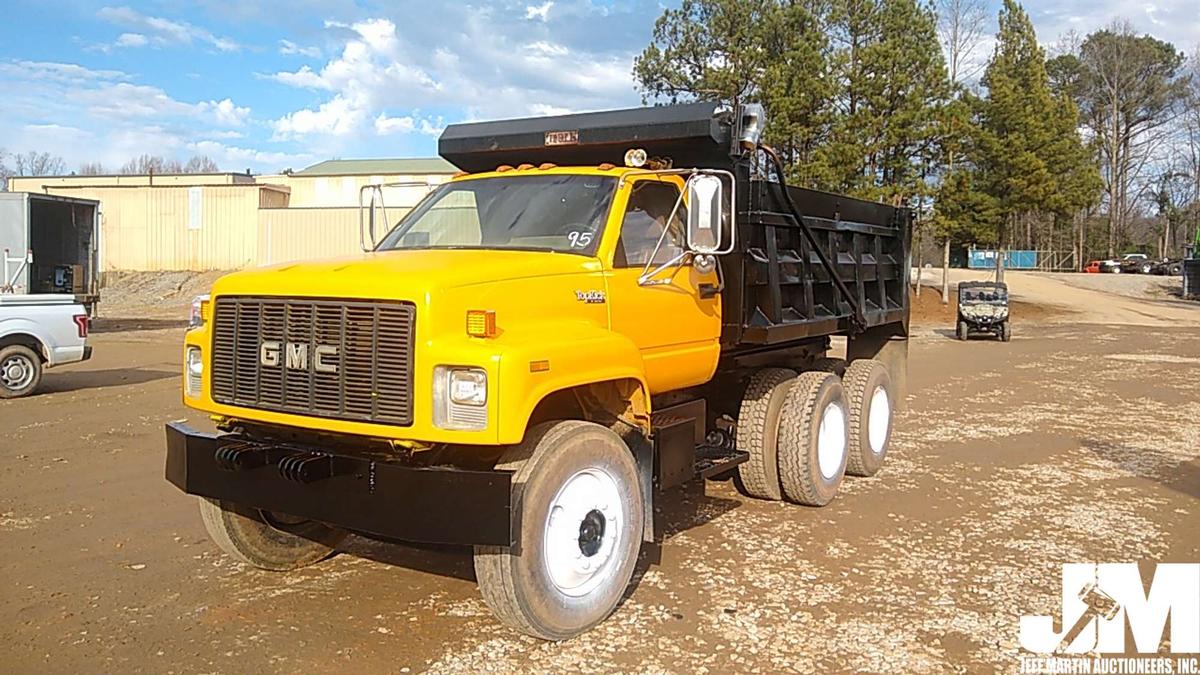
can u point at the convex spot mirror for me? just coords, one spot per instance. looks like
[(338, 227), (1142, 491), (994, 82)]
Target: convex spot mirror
[(705, 213)]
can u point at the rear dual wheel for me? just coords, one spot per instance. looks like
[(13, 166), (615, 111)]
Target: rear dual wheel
[(804, 432)]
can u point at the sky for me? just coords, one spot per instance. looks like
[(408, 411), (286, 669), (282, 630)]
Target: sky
[(271, 85)]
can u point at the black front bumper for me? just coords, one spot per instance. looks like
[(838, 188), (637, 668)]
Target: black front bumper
[(385, 498)]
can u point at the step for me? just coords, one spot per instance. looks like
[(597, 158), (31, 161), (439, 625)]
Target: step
[(712, 460)]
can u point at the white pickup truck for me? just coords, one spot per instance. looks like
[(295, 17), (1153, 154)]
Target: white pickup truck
[(38, 332)]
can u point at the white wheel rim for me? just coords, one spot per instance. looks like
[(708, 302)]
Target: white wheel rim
[(831, 440), (879, 419), (16, 372), (582, 529)]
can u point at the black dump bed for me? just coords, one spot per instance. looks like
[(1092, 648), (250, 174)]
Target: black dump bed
[(818, 264)]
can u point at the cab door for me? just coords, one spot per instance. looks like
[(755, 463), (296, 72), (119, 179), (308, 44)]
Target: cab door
[(672, 315)]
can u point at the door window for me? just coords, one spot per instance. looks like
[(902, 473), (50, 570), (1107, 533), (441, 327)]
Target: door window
[(647, 215)]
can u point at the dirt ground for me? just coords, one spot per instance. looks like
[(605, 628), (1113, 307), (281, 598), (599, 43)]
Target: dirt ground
[(1077, 441)]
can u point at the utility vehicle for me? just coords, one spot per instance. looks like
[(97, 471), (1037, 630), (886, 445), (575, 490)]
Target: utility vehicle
[(983, 308), (601, 307)]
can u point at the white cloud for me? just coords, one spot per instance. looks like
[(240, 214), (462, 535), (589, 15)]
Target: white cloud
[(87, 115), (132, 40), (482, 70), (160, 32), (289, 48), (408, 124), (540, 12), (224, 112), (234, 158)]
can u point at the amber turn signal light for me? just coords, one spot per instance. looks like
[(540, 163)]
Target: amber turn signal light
[(481, 323)]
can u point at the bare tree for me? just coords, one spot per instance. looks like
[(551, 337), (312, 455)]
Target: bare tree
[(201, 164), (1129, 89), (5, 171), (91, 169), (35, 163), (961, 26), (151, 164)]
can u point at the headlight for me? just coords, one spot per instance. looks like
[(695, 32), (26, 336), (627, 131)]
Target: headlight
[(194, 374), (460, 398), (199, 310), (468, 387)]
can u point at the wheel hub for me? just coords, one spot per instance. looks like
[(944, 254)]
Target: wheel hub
[(591, 533), (831, 441), (878, 420), (582, 530), (16, 372)]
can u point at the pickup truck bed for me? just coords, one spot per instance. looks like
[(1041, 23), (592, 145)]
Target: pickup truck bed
[(37, 332)]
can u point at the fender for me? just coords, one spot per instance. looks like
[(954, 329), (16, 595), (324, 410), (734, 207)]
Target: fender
[(536, 363), (22, 326)]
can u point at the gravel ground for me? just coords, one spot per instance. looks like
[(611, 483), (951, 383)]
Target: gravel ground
[(1070, 443)]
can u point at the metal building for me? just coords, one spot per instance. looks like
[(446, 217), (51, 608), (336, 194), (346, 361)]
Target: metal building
[(223, 221)]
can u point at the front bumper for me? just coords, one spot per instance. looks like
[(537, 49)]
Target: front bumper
[(367, 494)]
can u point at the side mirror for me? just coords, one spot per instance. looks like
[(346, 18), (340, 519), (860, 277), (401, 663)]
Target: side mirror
[(705, 213)]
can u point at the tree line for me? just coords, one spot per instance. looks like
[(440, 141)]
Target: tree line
[(1092, 150), (33, 163)]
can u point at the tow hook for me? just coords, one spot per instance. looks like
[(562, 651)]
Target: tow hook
[(306, 467)]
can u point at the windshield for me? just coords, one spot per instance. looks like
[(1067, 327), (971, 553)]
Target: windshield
[(561, 213), (984, 294)]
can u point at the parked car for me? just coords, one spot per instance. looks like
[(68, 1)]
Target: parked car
[(37, 332), (1093, 267), (1103, 266), (1135, 263)]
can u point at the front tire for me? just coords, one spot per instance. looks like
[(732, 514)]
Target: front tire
[(576, 495), (813, 439), (267, 541), (961, 332), (20, 371), (1005, 332)]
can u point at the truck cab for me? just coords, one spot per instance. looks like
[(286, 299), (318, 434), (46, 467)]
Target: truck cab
[(598, 308)]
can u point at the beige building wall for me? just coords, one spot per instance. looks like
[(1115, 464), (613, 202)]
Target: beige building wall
[(42, 183), (228, 220), (199, 227), (343, 191), (289, 235)]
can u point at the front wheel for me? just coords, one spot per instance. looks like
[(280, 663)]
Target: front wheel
[(961, 332), (266, 540), (576, 495), (20, 371), (1005, 332)]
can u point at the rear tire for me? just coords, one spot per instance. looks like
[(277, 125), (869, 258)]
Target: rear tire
[(577, 497), (758, 431), (869, 398), (247, 535), (20, 371), (961, 331), (813, 439)]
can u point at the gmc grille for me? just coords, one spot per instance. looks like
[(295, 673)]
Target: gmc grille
[(373, 378)]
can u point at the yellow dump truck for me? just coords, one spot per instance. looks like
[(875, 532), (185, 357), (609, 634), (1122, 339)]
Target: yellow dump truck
[(600, 307)]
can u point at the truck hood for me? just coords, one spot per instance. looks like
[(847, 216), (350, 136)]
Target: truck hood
[(399, 275)]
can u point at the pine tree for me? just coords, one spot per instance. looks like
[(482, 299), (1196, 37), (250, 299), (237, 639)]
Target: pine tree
[(891, 84), (707, 49)]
